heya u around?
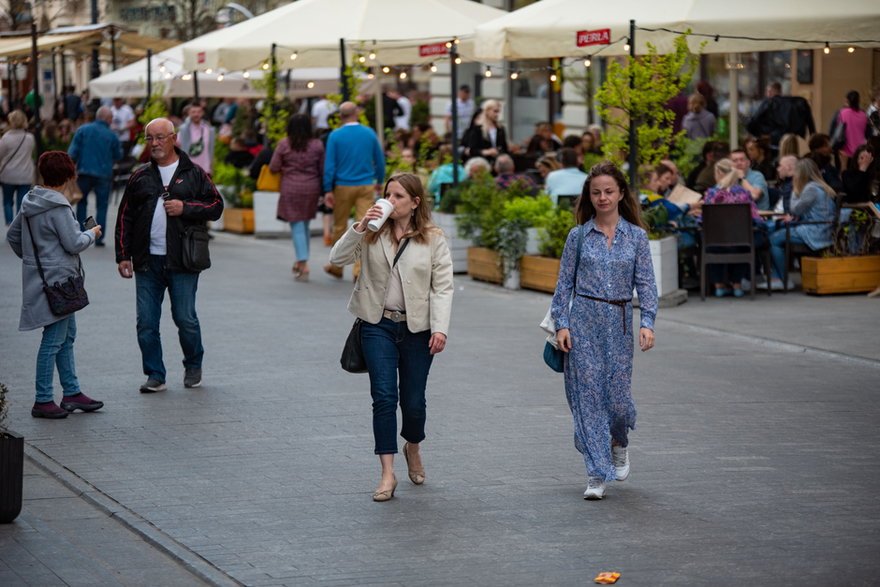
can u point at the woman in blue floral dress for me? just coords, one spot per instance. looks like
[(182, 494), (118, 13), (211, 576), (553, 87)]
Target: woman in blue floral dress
[(596, 331)]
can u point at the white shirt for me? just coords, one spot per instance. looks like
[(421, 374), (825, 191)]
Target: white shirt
[(402, 121), (465, 113), (160, 220), (121, 117), (321, 110)]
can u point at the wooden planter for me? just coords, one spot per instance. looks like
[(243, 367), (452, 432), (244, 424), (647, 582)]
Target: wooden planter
[(11, 475), (540, 273), (240, 220), (840, 274), (484, 265)]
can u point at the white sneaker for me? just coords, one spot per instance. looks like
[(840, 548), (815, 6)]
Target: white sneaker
[(620, 459), (595, 488)]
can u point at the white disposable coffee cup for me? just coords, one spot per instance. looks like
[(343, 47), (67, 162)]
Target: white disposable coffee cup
[(377, 223)]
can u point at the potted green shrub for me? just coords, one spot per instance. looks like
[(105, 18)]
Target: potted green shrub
[(852, 264), (237, 190), (11, 465), (541, 271)]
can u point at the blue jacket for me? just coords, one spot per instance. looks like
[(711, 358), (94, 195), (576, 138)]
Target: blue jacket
[(354, 157), (94, 148), (814, 205)]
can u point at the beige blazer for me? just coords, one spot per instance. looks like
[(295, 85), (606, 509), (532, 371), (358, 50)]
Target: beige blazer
[(425, 273)]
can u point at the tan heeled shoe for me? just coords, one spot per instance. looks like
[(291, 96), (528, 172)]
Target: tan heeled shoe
[(417, 476), (386, 494)]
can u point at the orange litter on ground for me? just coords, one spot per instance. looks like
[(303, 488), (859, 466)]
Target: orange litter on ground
[(607, 578)]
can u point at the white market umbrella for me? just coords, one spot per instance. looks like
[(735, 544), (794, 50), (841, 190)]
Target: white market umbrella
[(408, 32), (555, 28)]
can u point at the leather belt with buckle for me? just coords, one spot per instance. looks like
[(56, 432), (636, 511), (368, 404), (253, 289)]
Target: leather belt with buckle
[(394, 315)]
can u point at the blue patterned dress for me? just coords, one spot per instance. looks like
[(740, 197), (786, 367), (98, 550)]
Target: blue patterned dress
[(599, 367)]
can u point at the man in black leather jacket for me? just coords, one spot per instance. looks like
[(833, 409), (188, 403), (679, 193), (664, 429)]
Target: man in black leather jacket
[(160, 201), (778, 115)]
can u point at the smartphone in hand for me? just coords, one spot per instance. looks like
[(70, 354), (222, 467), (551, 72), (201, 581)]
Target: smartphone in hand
[(90, 223)]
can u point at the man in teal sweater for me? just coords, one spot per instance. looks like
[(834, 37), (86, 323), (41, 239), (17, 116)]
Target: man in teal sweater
[(354, 169)]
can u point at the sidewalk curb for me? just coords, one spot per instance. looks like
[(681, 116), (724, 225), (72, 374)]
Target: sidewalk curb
[(152, 535)]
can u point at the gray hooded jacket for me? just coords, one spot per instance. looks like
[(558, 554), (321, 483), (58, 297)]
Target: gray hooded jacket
[(59, 241)]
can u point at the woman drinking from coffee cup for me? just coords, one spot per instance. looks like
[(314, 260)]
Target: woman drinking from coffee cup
[(404, 297)]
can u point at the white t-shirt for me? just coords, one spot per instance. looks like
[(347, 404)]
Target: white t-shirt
[(160, 220), (121, 117), (402, 121), (321, 110)]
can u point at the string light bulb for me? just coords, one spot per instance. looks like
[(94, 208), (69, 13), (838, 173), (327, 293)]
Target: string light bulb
[(362, 59), (246, 74), (514, 75), (370, 76), (626, 45), (488, 72), (386, 69), (209, 71), (220, 77), (372, 55), (265, 66), (168, 75), (827, 49), (458, 60), (293, 56), (433, 68), (310, 85), (553, 77), (449, 44), (851, 49), (402, 75), (588, 62)]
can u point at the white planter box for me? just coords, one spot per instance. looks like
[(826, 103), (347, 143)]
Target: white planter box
[(533, 242), (664, 256), (266, 224), (457, 246)]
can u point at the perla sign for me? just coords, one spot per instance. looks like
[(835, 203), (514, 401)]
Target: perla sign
[(598, 37)]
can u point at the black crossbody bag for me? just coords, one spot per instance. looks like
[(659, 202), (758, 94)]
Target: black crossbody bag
[(64, 298)]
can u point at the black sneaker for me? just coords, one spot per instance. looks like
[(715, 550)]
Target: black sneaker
[(153, 385), (192, 378)]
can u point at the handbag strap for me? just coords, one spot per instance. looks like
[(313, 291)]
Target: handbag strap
[(37, 255), (399, 252), (14, 153)]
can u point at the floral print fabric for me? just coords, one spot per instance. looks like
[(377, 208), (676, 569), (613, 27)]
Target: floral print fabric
[(598, 369)]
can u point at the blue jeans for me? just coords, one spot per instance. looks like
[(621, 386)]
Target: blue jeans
[(391, 350), (13, 193), (56, 350), (101, 185), (777, 249), (299, 231), (150, 286)]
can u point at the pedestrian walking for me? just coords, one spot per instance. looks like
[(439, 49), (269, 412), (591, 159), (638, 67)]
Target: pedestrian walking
[(404, 297), (94, 149), (46, 236), (353, 172), (16, 163), (595, 329), (300, 160), (162, 202)]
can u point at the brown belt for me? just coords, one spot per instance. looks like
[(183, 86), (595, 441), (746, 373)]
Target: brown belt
[(620, 303), (394, 315)]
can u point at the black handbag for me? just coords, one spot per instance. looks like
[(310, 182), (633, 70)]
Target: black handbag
[(64, 298), (352, 359), (196, 256)]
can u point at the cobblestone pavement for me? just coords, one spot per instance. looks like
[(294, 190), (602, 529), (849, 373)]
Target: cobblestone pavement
[(753, 462)]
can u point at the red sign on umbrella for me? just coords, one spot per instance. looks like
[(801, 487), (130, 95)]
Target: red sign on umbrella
[(598, 37), (433, 49)]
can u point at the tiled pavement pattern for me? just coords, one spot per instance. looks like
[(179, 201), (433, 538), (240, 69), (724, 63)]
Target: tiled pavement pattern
[(754, 461)]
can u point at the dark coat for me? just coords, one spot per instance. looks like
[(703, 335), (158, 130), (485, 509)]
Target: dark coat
[(779, 115), (476, 142), (201, 203)]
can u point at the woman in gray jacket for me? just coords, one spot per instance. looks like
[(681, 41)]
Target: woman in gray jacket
[(16, 163), (47, 220)]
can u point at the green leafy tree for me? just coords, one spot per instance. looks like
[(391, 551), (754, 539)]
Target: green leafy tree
[(273, 114), (658, 78)]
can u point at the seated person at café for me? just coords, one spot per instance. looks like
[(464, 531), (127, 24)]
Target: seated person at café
[(758, 151), (858, 179), (505, 175), (729, 189), (823, 155), (781, 194), (753, 181), (238, 155), (544, 141), (702, 180), (569, 180), (812, 200), (545, 165)]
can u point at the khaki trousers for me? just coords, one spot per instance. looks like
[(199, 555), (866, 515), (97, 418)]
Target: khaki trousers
[(346, 197)]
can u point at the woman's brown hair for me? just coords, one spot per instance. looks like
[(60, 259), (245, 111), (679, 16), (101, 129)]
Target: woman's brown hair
[(420, 225), (628, 206)]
